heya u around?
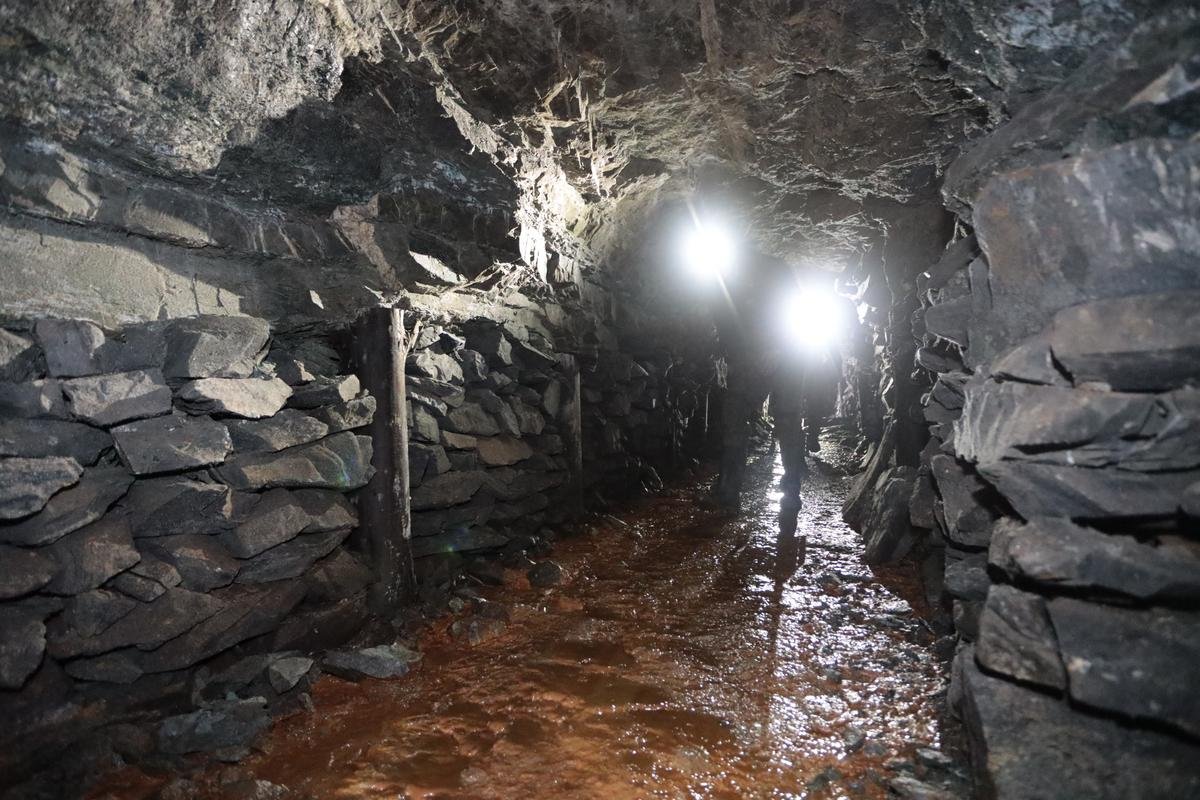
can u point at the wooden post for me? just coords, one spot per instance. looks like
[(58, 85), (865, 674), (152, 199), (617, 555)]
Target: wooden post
[(380, 350), (572, 427)]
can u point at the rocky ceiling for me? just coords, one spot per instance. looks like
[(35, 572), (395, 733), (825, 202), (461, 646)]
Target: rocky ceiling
[(548, 129)]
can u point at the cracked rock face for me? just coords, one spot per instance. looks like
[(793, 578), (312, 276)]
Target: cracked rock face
[(563, 122)]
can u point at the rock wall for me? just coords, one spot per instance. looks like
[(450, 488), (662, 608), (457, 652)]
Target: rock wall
[(1063, 467), (169, 492)]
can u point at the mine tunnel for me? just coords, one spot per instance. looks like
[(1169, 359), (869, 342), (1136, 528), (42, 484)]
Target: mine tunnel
[(574, 399)]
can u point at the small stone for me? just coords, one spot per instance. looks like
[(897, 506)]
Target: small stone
[(213, 346), (545, 574), (72, 347), (27, 484), (88, 557), (172, 443), (107, 400), (907, 787), (486, 570), (285, 673), (232, 724), (476, 630), (853, 738), (251, 398), (325, 392), (383, 661)]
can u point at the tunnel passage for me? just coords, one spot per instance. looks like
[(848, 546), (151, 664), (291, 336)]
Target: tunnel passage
[(317, 318)]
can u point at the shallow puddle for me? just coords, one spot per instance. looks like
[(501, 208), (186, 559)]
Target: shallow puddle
[(684, 656)]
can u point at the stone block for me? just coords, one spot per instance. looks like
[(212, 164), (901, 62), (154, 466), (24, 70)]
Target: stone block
[(202, 561), (969, 519), (251, 398), (42, 438), (1017, 639), (1138, 663), (356, 413), (530, 421), (285, 673), (383, 661), (340, 575), (438, 366), (325, 392), (280, 515), (232, 724), (213, 346), (501, 451), (21, 646), (341, 461), (72, 347), (176, 505), (147, 627), (108, 400), (70, 509), (94, 612), (23, 571), (88, 557), (474, 367), (1145, 342), (292, 558), (285, 429), (1026, 744), (1058, 554), (172, 443), (40, 399), (493, 345), (19, 357), (1052, 490), (448, 489), (472, 418), (27, 484)]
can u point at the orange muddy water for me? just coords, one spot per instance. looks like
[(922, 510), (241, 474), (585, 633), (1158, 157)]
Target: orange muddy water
[(684, 656)]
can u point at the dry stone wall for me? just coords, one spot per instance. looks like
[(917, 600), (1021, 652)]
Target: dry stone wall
[(169, 492), (1063, 470)]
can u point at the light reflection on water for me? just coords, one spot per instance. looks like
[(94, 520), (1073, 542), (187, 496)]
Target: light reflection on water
[(685, 656)]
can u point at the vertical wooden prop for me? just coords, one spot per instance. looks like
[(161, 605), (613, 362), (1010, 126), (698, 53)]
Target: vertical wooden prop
[(572, 419), (381, 349)]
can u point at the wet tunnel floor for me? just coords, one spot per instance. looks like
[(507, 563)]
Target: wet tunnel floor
[(684, 655)]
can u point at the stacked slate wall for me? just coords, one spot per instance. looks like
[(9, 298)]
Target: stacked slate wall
[(171, 494), (1062, 476), (487, 438)]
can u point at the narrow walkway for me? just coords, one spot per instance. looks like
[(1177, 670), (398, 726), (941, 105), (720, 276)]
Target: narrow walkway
[(683, 656)]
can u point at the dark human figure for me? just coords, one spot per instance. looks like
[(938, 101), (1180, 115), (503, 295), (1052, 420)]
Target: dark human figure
[(760, 363)]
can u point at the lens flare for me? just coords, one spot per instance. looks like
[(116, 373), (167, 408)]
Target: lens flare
[(811, 318), (708, 251)]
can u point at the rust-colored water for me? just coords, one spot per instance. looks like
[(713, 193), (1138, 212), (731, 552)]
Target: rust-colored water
[(683, 657)]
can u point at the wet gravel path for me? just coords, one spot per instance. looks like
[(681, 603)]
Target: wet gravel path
[(684, 655)]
